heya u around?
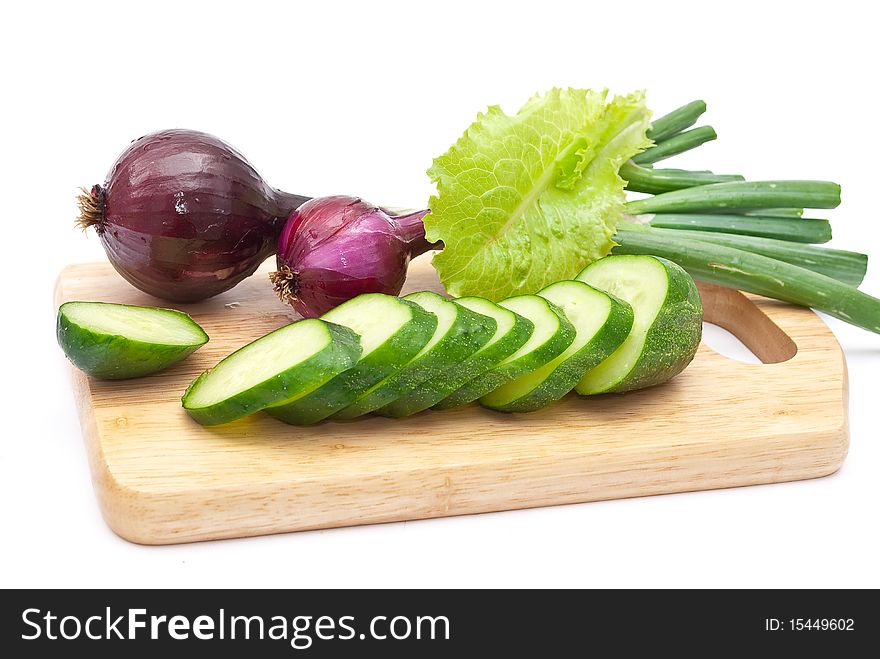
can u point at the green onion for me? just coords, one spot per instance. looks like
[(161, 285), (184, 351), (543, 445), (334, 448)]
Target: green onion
[(777, 212), (656, 181), (690, 139), (848, 267), (742, 234), (758, 274), (796, 230), (741, 195), (676, 121)]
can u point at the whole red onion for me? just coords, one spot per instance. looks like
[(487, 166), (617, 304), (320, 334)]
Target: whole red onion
[(184, 216), (335, 248)]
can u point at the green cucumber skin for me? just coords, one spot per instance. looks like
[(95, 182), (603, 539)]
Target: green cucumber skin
[(520, 332), (433, 392), (454, 347), (469, 333), (495, 377), (674, 336), (111, 357), (566, 376), (341, 353), (344, 389)]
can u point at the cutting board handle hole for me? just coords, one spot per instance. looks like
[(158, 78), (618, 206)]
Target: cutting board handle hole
[(727, 344), (759, 338)]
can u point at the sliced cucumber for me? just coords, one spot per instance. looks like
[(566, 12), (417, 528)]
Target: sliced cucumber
[(511, 332), (279, 367), (392, 332), (667, 326), (602, 323), (460, 332), (119, 341), (552, 333)]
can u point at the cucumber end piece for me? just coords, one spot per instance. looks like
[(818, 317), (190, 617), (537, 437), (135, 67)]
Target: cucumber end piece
[(667, 327), (119, 342)]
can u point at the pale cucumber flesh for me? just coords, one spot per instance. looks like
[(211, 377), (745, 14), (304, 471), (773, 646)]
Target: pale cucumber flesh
[(281, 366), (144, 324), (374, 317), (440, 307), (414, 372), (260, 361), (643, 284), (546, 321), (667, 328)]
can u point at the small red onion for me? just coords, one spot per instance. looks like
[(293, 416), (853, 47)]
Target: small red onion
[(184, 216), (335, 248)]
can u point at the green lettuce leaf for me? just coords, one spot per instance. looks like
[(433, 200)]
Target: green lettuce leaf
[(531, 199)]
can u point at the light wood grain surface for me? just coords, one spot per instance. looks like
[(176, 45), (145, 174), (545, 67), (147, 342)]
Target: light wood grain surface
[(161, 478)]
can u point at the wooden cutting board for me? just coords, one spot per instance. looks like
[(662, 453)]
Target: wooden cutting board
[(161, 478)]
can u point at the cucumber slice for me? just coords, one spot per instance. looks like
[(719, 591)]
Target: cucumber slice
[(667, 327), (119, 341), (279, 367), (511, 331), (392, 332), (552, 333), (512, 334), (460, 332), (602, 323)]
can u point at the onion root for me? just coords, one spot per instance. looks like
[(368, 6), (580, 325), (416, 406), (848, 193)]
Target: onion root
[(91, 208), (284, 283)]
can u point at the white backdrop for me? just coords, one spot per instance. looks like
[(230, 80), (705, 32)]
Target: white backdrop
[(356, 98)]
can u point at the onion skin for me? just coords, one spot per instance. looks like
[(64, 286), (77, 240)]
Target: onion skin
[(183, 216), (333, 249)]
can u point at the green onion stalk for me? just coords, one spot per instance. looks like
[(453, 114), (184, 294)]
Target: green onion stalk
[(676, 121), (780, 228), (847, 267), (749, 235), (755, 273), (737, 196), (689, 139)]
